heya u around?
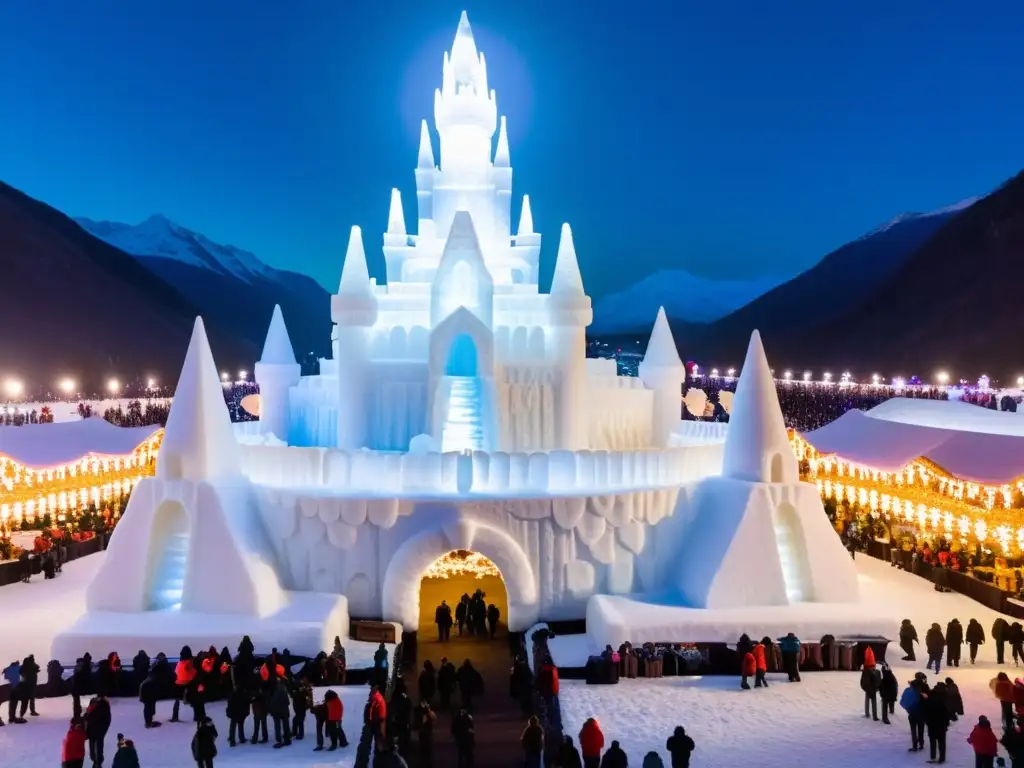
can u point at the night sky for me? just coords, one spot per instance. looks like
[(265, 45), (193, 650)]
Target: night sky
[(669, 134)]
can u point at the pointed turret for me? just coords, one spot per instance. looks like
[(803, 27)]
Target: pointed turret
[(199, 442), (662, 353), (501, 154), (277, 349), (757, 447), (355, 276), (426, 156), (465, 59), (396, 216), (567, 280), (526, 218)]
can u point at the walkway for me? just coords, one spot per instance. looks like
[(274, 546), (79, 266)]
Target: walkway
[(499, 722)]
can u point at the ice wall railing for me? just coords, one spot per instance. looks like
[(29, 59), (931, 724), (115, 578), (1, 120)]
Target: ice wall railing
[(457, 473)]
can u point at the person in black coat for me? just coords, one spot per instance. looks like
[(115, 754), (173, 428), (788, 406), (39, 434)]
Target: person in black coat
[(744, 646), (888, 691), (461, 614), (870, 683), (400, 727), (204, 743), (1000, 632), (464, 735), (97, 723), (149, 694), (493, 615), (954, 701), (427, 682), (521, 684), (936, 714), (1016, 640), (470, 684), (443, 619), (615, 757), (975, 636), (680, 747), (423, 721), (81, 683), (29, 680), (935, 643), (908, 636), (954, 639), (280, 710), (568, 756), (446, 681), (140, 669), (238, 708)]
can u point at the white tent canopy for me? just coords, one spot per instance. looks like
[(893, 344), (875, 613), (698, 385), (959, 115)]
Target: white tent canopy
[(962, 439), (47, 445)]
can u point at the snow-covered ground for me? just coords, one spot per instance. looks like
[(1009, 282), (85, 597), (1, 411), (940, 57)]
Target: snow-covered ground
[(38, 742), (820, 718), (41, 609)]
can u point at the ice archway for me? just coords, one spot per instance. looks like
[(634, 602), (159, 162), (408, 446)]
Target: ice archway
[(401, 594)]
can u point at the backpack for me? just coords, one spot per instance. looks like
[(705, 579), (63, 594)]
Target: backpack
[(910, 699)]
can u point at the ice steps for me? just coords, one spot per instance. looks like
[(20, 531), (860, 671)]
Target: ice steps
[(463, 427), (169, 580)]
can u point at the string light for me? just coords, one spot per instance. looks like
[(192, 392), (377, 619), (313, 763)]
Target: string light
[(461, 563)]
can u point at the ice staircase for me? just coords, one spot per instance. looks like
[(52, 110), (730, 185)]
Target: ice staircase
[(792, 556), (169, 579), (463, 427)]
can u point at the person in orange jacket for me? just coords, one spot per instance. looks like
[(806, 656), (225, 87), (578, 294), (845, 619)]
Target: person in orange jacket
[(377, 718), (184, 673), (747, 669), (1002, 688), (761, 666), (591, 743)]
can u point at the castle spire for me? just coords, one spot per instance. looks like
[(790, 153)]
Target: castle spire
[(277, 349), (662, 352), (501, 154), (465, 58), (567, 280), (426, 157), (396, 216), (355, 276), (526, 217), (757, 447), (199, 442)]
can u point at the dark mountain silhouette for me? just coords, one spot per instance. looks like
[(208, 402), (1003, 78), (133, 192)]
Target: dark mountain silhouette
[(229, 285), (76, 306)]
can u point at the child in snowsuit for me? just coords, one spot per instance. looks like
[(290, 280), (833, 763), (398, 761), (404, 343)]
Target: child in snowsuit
[(747, 669)]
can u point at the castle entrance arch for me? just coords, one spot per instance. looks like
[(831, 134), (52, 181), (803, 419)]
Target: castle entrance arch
[(403, 579), (457, 574)]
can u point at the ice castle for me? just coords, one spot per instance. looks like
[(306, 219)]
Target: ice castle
[(459, 412)]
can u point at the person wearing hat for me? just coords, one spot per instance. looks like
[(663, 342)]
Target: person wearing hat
[(986, 747), (870, 683)]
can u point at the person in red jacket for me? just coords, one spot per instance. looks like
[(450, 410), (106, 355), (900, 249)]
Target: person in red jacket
[(761, 667), (591, 743), (747, 669), (72, 753), (985, 744), (184, 674), (333, 712), (547, 682), (377, 718)]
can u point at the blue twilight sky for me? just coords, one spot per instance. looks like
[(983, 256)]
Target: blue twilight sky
[(670, 134)]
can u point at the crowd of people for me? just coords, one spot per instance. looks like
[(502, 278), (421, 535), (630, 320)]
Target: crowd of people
[(155, 411), (472, 614)]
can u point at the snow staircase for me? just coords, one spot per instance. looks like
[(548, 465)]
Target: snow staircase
[(463, 426), (169, 579), (790, 544)]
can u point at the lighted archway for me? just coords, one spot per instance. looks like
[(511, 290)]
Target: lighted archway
[(448, 578), (401, 592)]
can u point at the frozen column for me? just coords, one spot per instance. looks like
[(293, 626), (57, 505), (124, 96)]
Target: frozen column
[(664, 373), (354, 310), (276, 373), (570, 313)]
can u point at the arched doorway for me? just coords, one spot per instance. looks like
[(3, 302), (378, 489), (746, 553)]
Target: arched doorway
[(448, 578), (168, 556)]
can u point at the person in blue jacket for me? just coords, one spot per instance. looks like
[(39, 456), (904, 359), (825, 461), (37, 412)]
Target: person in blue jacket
[(790, 648), (913, 701), (13, 676)]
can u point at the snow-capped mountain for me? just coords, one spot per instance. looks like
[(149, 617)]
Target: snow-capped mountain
[(158, 236), (940, 213), (685, 296), (226, 283)]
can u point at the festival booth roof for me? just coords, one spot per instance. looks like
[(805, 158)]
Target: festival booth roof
[(949, 414), (889, 445), (48, 445)]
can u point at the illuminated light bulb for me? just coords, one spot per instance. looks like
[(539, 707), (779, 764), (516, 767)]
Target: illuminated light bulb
[(13, 388), (807, 375), (243, 375), (150, 383), (942, 377), (731, 372), (788, 375), (113, 386), (67, 386), (224, 376)]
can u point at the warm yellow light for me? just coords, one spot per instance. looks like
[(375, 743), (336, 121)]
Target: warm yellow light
[(942, 376), (113, 386), (150, 383), (13, 388), (1020, 381), (461, 563), (67, 385)]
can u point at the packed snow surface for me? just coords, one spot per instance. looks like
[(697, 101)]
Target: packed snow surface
[(38, 742), (822, 716), (43, 609), (47, 445)]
